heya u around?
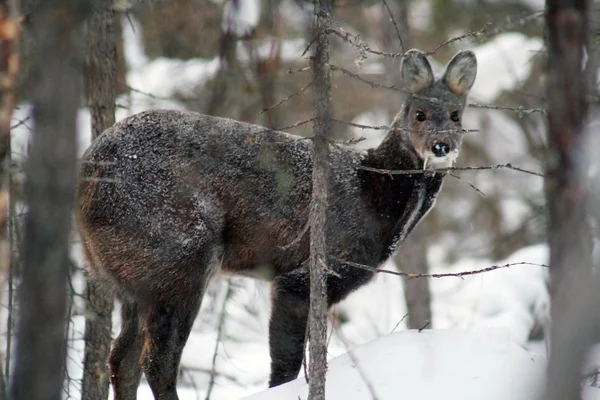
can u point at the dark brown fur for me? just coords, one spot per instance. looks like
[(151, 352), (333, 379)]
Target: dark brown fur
[(168, 199)]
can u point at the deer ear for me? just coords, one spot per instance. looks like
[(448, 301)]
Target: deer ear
[(461, 72), (416, 71)]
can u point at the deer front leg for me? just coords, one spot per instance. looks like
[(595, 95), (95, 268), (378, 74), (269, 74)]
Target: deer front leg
[(287, 327), (289, 315)]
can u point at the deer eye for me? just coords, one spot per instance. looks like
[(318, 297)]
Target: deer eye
[(420, 116), (454, 116)]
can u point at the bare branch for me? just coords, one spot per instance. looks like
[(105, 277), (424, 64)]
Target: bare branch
[(476, 35), (520, 110), (468, 183), (286, 99), (395, 25), (399, 322), (442, 275), (443, 170)]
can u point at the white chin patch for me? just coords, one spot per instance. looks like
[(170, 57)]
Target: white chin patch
[(433, 162)]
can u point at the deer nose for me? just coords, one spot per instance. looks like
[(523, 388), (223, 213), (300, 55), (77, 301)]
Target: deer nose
[(440, 149)]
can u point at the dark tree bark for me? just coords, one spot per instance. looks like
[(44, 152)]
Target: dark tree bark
[(228, 78), (573, 289), (54, 88), (9, 69), (412, 258), (267, 68), (101, 68), (318, 212)]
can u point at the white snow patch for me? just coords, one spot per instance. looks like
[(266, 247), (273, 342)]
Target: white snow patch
[(503, 63), (298, 14), (240, 16), (290, 49), (372, 137), (420, 13), (506, 297), (162, 77), (454, 364)]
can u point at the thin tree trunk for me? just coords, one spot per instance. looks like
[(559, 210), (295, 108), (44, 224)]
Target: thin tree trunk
[(267, 68), (9, 69), (54, 88), (573, 289), (101, 66), (228, 79), (318, 212), (412, 259)]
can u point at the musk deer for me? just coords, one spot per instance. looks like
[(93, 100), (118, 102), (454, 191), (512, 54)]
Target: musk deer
[(168, 199)]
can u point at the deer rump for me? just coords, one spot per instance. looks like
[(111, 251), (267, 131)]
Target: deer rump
[(167, 199)]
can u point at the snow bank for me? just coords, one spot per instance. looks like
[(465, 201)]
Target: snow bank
[(452, 365)]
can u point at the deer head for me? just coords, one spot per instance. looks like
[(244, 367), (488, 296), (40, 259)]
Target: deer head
[(433, 110)]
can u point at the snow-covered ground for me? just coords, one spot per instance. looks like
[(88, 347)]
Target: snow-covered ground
[(479, 348)]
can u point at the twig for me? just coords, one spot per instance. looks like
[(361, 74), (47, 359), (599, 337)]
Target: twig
[(399, 322), (21, 122), (355, 361), (305, 353), (351, 141), (297, 239), (395, 25), (303, 69), (308, 47), (362, 46), (520, 110), (399, 128), (294, 125), (443, 170), (519, 23), (475, 35), (152, 96), (468, 183), (360, 78), (285, 99), (442, 275), (213, 372)]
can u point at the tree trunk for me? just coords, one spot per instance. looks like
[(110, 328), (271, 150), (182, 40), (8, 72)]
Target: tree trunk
[(9, 69), (54, 89), (228, 80), (318, 212), (573, 289), (267, 68), (101, 66), (412, 259)]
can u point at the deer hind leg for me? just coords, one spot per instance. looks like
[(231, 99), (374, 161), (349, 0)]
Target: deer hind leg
[(123, 362), (171, 308), (167, 328)]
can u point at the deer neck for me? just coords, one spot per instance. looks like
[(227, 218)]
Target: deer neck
[(396, 201)]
